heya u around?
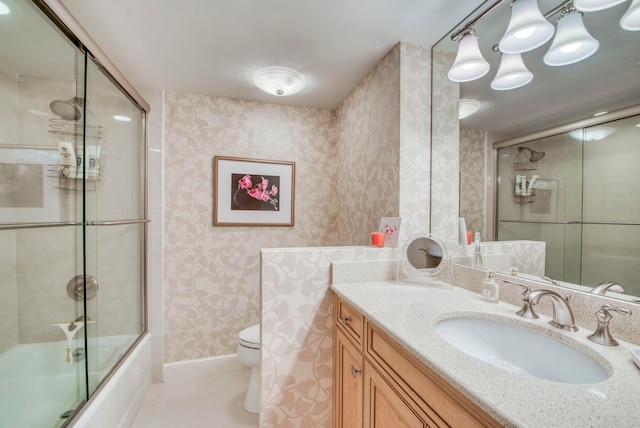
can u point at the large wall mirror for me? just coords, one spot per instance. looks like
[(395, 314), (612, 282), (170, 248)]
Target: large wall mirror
[(535, 163)]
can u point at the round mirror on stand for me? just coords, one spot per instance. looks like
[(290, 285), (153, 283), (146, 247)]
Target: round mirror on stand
[(423, 261)]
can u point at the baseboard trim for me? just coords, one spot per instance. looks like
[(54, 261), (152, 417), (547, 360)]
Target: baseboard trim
[(201, 367)]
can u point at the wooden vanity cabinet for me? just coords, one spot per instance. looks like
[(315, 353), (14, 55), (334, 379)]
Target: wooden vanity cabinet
[(378, 384)]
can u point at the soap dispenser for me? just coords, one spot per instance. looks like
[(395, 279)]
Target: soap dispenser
[(490, 288)]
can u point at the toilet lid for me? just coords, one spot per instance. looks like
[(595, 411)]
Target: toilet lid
[(250, 337)]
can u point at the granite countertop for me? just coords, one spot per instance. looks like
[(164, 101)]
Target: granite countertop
[(408, 313)]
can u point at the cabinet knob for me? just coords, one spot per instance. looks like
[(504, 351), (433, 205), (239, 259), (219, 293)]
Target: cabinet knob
[(355, 371), (345, 319)]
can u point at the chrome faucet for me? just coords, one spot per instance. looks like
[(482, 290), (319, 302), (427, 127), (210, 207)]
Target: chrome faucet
[(602, 335), (562, 313), (605, 286)]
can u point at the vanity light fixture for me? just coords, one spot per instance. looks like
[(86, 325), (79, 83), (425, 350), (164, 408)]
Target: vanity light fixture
[(469, 63), (467, 107), (630, 21), (4, 9), (527, 29), (512, 73), (572, 42), (595, 5), (122, 118), (279, 80)]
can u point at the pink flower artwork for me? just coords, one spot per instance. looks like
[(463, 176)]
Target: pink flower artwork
[(259, 192)]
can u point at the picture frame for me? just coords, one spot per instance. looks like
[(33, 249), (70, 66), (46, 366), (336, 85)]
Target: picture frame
[(253, 192)]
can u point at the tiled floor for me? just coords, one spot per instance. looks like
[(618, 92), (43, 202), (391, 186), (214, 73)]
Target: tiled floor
[(208, 402)]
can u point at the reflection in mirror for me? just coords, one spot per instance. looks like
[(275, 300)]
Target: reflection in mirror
[(560, 98), (579, 199), (423, 261)]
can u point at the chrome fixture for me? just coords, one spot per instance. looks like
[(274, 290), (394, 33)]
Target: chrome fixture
[(69, 109), (553, 281), (605, 286), (527, 310), (279, 80), (77, 289), (529, 29), (562, 313), (602, 335)]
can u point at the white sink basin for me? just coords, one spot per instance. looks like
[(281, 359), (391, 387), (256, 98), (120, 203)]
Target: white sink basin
[(520, 349)]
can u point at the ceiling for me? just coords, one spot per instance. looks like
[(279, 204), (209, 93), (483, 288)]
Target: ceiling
[(213, 47)]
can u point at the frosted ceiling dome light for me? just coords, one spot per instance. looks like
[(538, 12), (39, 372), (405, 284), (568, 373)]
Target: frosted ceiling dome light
[(512, 73), (572, 42), (469, 64), (4, 9), (630, 21), (595, 5), (527, 29), (467, 108), (279, 80)]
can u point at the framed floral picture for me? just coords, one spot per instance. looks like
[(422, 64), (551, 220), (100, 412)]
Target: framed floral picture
[(253, 192)]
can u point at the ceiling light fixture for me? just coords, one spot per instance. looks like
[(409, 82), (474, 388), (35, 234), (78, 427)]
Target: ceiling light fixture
[(4, 9), (511, 74), (630, 21), (592, 134), (595, 5), (279, 80), (527, 29), (469, 63), (121, 118), (467, 108), (572, 42)]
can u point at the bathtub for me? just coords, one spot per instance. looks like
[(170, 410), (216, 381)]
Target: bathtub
[(38, 388)]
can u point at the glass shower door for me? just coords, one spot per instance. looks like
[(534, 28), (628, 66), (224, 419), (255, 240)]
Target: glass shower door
[(540, 199)]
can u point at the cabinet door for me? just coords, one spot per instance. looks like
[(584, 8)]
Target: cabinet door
[(385, 408), (347, 383)]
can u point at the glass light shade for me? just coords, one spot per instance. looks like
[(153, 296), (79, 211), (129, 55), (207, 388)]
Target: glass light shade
[(511, 74), (572, 42), (469, 64), (630, 21), (527, 28), (279, 80), (4, 9), (592, 134), (467, 108), (595, 5)]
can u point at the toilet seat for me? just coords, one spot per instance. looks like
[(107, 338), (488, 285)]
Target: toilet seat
[(250, 337)]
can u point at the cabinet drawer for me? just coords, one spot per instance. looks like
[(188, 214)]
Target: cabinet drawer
[(351, 321), (424, 386)]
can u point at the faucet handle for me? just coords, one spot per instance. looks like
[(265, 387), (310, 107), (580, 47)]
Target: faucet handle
[(609, 307), (527, 308), (602, 335)]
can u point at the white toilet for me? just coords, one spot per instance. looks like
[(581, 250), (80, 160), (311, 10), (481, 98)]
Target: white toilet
[(249, 353)]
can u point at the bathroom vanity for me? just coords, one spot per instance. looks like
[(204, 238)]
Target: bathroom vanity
[(391, 368), (377, 383)]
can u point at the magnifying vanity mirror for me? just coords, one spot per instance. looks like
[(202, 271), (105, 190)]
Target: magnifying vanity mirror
[(576, 181), (424, 261)]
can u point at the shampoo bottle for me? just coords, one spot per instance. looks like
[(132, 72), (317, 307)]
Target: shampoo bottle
[(490, 288)]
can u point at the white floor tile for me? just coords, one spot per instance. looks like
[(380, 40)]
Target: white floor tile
[(208, 402)]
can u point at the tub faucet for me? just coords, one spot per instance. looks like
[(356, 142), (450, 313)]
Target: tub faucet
[(605, 286), (562, 313)]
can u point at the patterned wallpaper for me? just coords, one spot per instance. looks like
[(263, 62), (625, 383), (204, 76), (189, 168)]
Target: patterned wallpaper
[(445, 151), (369, 142), (472, 173), (415, 138), (211, 274)]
